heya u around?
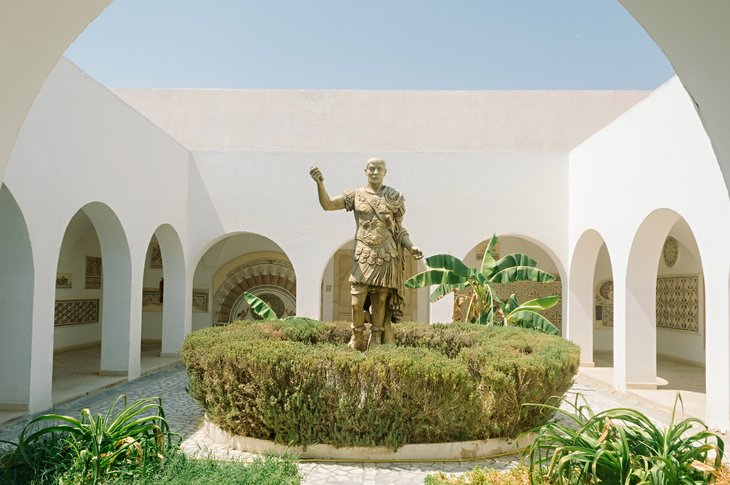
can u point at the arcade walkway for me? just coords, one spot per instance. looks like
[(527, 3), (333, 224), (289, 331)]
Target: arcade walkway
[(76, 373)]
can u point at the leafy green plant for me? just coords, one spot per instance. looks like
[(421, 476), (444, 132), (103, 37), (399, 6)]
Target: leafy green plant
[(450, 274), (622, 446), (93, 448), (259, 306), (263, 310), (297, 382)]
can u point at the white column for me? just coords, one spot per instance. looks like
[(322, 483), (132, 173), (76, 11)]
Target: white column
[(41, 347), (717, 357), (619, 328)]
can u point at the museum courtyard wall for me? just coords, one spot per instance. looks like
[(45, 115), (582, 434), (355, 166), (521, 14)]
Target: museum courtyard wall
[(209, 189), (648, 175)]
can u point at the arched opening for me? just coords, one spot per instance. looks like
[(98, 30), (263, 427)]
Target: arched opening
[(163, 298), (233, 265), (336, 300), (16, 308), (590, 311), (603, 309), (527, 290), (665, 306), (92, 307)]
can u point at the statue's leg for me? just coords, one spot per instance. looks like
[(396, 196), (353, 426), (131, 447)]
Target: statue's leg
[(378, 298), (388, 337), (357, 341)]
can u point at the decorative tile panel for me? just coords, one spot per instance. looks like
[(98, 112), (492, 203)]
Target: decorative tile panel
[(678, 302), (93, 273), (70, 312)]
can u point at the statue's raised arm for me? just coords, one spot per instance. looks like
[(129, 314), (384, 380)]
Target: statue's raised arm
[(328, 204)]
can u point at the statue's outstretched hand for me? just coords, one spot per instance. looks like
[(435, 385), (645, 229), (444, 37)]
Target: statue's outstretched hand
[(416, 252), (316, 174)]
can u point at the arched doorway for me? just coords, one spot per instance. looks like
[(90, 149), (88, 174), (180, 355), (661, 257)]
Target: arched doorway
[(664, 307), (163, 296), (527, 290), (590, 310), (92, 307), (237, 263), (16, 307)]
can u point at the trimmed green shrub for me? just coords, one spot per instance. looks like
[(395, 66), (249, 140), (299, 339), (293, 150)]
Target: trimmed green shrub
[(296, 382)]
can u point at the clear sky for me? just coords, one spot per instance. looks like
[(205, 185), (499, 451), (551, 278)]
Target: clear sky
[(370, 44)]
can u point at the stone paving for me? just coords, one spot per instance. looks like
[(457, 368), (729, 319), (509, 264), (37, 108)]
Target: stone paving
[(185, 418)]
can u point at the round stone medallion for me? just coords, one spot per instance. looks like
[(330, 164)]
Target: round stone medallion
[(670, 251)]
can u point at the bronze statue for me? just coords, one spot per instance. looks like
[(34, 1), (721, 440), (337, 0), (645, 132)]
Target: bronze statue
[(378, 261)]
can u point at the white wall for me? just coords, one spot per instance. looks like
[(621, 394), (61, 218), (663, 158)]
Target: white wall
[(81, 144), (657, 156), (452, 201)]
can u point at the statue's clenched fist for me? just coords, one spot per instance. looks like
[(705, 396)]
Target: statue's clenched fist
[(316, 174)]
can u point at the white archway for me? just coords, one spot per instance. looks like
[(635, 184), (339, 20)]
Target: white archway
[(237, 262), (16, 305), (165, 260)]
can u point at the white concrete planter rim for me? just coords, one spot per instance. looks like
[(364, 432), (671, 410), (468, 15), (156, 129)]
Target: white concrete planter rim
[(422, 452)]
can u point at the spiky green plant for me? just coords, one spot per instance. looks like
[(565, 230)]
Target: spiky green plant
[(622, 446), (91, 448)]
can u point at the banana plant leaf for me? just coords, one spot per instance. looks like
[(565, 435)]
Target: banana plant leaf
[(511, 304), (512, 260), (259, 306), (536, 305), (449, 262), (434, 277), (522, 273), (443, 290), (488, 261), (533, 320)]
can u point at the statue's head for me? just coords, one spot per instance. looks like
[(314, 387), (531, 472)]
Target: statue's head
[(375, 170)]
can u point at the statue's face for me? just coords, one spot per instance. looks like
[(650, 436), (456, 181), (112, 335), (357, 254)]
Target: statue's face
[(375, 172)]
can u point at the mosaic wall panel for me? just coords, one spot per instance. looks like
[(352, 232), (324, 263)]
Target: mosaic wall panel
[(151, 300), (70, 312), (200, 300), (529, 290), (677, 303), (93, 273), (524, 291)]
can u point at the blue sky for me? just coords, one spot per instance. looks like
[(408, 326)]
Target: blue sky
[(373, 44)]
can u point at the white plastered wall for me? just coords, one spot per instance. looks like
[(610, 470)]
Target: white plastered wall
[(81, 144), (657, 156), (447, 204)]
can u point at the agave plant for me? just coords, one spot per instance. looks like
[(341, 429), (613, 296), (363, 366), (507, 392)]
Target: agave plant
[(622, 445), (450, 274)]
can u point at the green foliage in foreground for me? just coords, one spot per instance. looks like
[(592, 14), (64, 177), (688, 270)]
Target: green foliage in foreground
[(623, 446), (450, 274), (483, 476), (296, 382), (86, 449), (127, 444)]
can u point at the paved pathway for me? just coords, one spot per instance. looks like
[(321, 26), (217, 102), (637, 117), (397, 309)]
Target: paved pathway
[(185, 418)]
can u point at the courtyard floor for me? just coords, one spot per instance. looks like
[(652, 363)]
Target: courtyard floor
[(185, 416)]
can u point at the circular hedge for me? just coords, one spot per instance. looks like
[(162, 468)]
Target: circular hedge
[(296, 382)]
